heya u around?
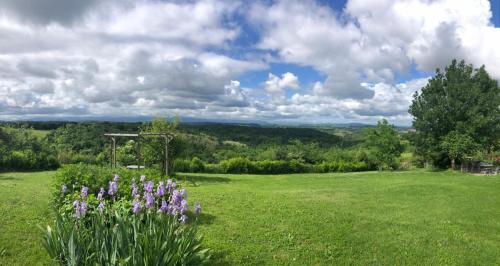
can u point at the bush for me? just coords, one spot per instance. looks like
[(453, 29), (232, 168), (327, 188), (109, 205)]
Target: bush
[(181, 165), (237, 166), (196, 165), (272, 167), (213, 168)]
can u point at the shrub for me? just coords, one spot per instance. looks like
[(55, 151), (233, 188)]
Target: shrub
[(109, 229), (272, 167), (213, 168), (182, 165), (196, 165), (237, 166)]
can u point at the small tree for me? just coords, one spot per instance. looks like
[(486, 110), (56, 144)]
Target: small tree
[(153, 150), (384, 145), (458, 145)]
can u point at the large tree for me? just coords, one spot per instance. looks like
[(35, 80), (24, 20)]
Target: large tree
[(456, 113)]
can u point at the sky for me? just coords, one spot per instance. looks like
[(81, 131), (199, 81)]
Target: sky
[(271, 61)]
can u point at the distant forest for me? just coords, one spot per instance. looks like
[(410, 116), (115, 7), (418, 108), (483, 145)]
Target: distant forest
[(198, 147)]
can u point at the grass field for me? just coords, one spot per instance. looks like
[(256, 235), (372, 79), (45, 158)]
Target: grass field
[(412, 218), (40, 133), (24, 203)]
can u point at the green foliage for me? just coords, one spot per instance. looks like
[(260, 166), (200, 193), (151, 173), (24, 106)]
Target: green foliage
[(21, 150), (182, 165), (126, 154), (462, 99), (245, 166), (196, 165), (458, 145), (153, 149), (237, 166), (384, 145), (119, 238), (255, 135), (85, 142)]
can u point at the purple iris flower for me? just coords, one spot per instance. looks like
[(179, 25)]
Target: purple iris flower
[(184, 206), (148, 187), (150, 200), (76, 206), (101, 206), (197, 208), (184, 193), (176, 197), (183, 219), (172, 209), (83, 207), (64, 188), (100, 195), (85, 192), (135, 190), (160, 191), (164, 206), (136, 206), (113, 188), (116, 178), (170, 185), (143, 178)]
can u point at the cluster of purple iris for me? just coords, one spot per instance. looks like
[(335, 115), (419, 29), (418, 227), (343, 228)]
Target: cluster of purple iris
[(80, 205), (168, 199)]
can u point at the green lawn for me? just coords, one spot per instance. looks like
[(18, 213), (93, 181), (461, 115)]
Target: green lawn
[(413, 218), (24, 203)]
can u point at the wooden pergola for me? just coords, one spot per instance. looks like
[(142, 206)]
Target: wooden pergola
[(166, 136)]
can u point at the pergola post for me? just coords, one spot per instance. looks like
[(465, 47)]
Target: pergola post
[(139, 153), (113, 158), (166, 155)]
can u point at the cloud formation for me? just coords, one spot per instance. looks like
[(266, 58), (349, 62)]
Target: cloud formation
[(108, 58), (275, 84)]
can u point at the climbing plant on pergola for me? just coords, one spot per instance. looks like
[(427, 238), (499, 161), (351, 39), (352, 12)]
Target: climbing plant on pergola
[(167, 137)]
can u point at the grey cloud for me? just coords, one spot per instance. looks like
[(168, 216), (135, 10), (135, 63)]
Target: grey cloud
[(344, 86), (47, 11), (37, 69), (43, 87)]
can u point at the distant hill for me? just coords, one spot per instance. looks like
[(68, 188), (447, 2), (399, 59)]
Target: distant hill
[(256, 134)]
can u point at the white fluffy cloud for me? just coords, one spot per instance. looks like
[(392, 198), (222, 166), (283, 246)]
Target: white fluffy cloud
[(376, 40), (275, 84), (105, 58)]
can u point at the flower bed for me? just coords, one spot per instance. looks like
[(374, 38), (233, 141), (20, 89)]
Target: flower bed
[(152, 224)]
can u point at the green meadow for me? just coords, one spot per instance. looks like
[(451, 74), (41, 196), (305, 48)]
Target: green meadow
[(369, 218)]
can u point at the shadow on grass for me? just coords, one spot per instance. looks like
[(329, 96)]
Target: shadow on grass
[(195, 179), (219, 258), (8, 178), (205, 218)]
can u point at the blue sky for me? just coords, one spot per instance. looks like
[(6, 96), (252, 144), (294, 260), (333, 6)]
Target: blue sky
[(311, 61)]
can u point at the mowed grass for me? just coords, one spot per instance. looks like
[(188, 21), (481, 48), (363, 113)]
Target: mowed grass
[(387, 218), (24, 204)]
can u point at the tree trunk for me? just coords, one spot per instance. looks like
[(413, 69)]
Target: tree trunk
[(453, 164)]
